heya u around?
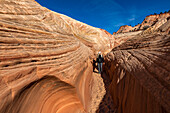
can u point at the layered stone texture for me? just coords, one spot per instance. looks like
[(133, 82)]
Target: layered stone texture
[(152, 21), (46, 64), (122, 37), (45, 60), (165, 27), (139, 70)]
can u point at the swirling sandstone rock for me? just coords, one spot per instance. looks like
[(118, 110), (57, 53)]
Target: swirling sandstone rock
[(140, 74), (45, 60)]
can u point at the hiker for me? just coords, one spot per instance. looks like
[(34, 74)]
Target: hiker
[(100, 61)]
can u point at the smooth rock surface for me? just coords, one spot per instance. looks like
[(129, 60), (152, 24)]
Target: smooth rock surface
[(45, 60)]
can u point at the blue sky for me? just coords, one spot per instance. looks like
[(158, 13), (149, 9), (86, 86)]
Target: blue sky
[(107, 14)]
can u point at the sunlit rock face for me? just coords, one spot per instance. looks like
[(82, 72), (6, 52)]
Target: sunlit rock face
[(165, 27), (124, 29), (140, 73), (150, 24), (45, 60), (152, 21)]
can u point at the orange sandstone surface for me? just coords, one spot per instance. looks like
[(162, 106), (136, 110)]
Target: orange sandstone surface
[(46, 64), (139, 73), (45, 61)]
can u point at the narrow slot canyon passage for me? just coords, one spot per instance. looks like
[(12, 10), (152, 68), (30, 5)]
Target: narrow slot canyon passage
[(45, 64), (106, 105), (139, 75)]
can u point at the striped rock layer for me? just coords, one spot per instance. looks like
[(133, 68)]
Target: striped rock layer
[(139, 70), (45, 60)]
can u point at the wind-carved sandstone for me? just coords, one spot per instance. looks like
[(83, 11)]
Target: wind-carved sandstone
[(139, 70), (45, 64), (45, 60)]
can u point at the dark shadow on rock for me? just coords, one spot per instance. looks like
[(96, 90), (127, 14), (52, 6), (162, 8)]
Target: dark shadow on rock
[(106, 105), (94, 66)]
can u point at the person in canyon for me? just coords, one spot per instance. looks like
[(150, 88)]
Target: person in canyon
[(100, 61)]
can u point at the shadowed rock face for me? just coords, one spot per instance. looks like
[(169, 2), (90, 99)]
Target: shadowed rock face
[(140, 73), (45, 60)]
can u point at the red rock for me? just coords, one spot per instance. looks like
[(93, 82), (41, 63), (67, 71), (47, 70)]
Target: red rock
[(45, 64), (45, 60), (139, 70)]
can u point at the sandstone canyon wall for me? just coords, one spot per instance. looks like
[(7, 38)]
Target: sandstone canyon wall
[(45, 63), (45, 60), (139, 70)]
